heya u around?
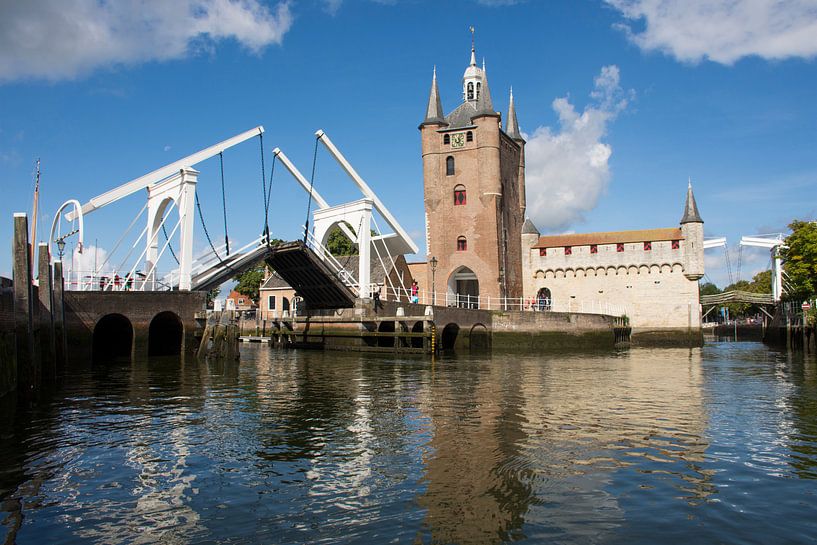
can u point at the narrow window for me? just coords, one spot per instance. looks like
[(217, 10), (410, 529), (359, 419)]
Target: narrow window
[(479, 88), (620, 247), (568, 250), (594, 249), (647, 246), (462, 244), (469, 136), (543, 252), (460, 198), (449, 166), (676, 244), (470, 90), (284, 303), (447, 139), (271, 302)]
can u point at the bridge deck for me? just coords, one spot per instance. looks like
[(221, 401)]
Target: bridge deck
[(737, 296), (311, 278)]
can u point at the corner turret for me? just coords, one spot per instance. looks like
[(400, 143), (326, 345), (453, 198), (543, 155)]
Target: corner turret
[(692, 227), (434, 110)]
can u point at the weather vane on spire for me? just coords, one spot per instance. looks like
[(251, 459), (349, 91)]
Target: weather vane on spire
[(471, 28)]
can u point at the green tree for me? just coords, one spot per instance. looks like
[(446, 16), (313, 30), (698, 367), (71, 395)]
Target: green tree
[(339, 244), (709, 289), (800, 260), (250, 281), (212, 295)]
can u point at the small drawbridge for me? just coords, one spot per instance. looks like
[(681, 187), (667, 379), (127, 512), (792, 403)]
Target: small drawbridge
[(321, 282)]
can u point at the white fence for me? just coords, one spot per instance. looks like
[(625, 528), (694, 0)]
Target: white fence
[(449, 299)]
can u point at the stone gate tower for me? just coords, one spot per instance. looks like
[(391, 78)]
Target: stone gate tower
[(474, 193)]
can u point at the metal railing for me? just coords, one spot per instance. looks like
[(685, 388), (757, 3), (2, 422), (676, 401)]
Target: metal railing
[(480, 302)]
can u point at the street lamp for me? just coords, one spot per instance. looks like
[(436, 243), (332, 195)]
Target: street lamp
[(61, 247), (433, 263)]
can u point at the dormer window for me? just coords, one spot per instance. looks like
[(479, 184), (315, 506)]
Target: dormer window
[(470, 92), (447, 139)]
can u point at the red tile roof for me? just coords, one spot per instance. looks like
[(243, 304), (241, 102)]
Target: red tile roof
[(610, 237)]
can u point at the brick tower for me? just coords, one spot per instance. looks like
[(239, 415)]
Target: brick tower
[(474, 192)]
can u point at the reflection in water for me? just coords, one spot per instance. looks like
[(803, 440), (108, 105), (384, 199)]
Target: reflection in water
[(710, 445)]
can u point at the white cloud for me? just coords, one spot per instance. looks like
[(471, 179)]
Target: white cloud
[(60, 39), (81, 266), (723, 31), (567, 170)]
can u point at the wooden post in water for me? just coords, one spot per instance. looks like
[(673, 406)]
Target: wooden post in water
[(23, 311), (58, 312), (48, 348)]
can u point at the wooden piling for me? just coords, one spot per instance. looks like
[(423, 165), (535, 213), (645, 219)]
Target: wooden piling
[(58, 313), (23, 307), (48, 349)]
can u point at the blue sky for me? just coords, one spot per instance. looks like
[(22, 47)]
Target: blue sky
[(621, 101)]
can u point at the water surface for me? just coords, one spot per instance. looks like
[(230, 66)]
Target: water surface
[(712, 445)]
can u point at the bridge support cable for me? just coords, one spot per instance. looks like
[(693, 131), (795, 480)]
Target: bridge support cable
[(264, 186), (207, 235), (161, 253), (170, 246), (391, 259), (149, 243), (740, 262), (728, 264), (121, 238), (268, 198), (224, 202), (311, 185)]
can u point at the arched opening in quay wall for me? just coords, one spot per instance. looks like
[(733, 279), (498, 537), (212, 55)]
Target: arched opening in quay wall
[(112, 339), (479, 340), (165, 335), (385, 327), (417, 342), (449, 336)]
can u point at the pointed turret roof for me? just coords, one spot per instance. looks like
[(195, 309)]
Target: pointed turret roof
[(512, 125), (434, 110), (484, 104), (691, 214), (528, 228)]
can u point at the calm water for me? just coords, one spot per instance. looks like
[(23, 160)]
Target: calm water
[(717, 445)]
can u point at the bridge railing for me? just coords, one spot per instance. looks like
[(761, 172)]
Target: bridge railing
[(532, 304), (112, 281), (343, 274)]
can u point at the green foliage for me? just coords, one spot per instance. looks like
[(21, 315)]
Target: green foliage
[(212, 295), (800, 260), (250, 281), (339, 244), (761, 283), (709, 289)]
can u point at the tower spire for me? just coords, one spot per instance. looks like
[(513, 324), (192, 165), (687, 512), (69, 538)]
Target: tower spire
[(691, 214), (512, 125), (434, 110), (473, 49)]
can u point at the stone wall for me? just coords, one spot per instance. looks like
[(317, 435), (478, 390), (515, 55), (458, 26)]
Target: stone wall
[(463, 329), (84, 309), (8, 360), (651, 287)]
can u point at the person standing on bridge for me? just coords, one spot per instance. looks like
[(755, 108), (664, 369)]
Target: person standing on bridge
[(415, 292)]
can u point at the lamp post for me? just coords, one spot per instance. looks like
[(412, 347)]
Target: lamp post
[(433, 263), (61, 247)]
